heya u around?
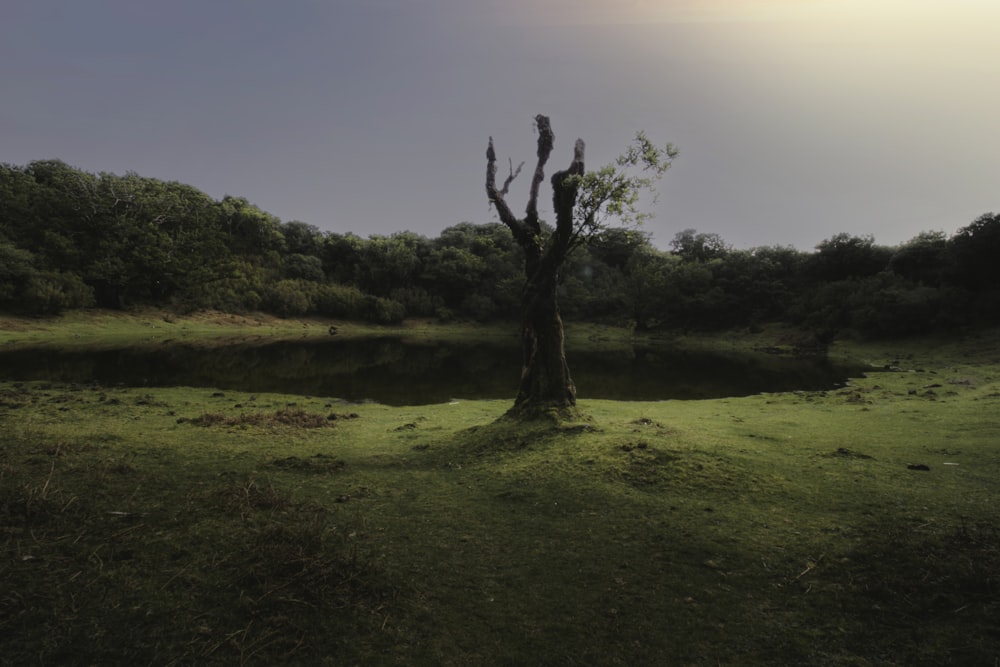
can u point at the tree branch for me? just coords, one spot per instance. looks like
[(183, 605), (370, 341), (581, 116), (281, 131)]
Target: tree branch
[(512, 176), (496, 197), (565, 185), (546, 140)]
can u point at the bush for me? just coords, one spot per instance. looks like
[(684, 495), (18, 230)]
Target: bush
[(303, 267), (479, 307), (417, 301), (339, 301), (287, 298), (384, 311), (53, 293), (897, 311)]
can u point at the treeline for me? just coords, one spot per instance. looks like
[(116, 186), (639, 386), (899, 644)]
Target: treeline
[(71, 239)]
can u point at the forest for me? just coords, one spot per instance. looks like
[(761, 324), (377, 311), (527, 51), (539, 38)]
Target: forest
[(71, 239)]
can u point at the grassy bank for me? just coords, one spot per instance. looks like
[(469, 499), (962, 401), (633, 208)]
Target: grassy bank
[(189, 526), (90, 328)]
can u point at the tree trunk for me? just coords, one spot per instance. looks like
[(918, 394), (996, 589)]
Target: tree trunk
[(546, 388)]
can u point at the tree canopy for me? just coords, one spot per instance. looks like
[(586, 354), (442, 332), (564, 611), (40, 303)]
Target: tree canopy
[(72, 239)]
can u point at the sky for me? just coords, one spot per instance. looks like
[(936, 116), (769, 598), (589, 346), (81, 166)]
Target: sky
[(795, 119)]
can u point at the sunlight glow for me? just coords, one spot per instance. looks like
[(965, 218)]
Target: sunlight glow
[(590, 12)]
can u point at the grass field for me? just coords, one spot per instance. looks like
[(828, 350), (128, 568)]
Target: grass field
[(187, 526)]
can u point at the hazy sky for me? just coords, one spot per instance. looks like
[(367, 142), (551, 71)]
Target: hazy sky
[(796, 119)]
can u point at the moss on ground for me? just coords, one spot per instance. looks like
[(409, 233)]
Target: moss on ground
[(190, 526)]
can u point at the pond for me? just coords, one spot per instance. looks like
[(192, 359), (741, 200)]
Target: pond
[(394, 372)]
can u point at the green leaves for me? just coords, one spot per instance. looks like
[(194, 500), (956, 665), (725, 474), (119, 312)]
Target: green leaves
[(615, 191)]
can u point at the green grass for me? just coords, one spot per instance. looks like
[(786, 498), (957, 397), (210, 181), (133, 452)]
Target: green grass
[(180, 526), (103, 328)]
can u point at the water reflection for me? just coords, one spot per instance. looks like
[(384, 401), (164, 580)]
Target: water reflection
[(394, 372)]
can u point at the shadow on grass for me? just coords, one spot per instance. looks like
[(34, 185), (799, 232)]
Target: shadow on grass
[(710, 559), (916, 594), (110, 565)]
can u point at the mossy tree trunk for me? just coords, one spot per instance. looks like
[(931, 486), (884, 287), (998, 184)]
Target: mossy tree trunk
[(546, 388), (546, 385)]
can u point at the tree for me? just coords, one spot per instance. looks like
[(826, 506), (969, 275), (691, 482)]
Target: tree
[(975, 249), (616, 246), (843, 256), (302, 267), (584, 203), (302, 238), (251, 231), (923, 259), (698, 247)]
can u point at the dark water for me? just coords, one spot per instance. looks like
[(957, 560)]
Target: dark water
[(390, 371)]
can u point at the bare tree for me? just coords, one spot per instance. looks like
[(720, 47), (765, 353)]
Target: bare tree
[(584, 204)]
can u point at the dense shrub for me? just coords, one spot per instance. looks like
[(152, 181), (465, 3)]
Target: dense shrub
[(339, 301), (288, 298), (418, 301), (51, 293), (384, 311), (303, 267)]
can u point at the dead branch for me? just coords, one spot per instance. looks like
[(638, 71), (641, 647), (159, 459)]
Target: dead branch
[(513, 175), (496, 197), (546, 140)]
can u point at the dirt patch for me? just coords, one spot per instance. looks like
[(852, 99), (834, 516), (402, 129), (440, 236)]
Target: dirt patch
[(315, 463), (845, 453), (288, 417)]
